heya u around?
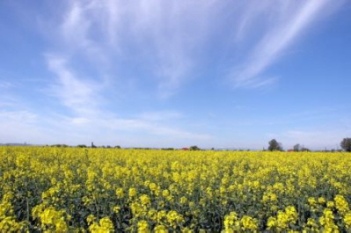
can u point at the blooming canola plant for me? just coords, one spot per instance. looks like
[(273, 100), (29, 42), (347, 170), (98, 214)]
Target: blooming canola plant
[(115, 190)]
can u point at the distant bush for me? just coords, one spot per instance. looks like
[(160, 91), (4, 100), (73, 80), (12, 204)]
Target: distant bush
[(274, 145), (59, 145), (346, 144), (194, 148)]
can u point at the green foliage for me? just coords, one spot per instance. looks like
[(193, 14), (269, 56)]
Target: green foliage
[(346, 144), (59, 145), (194, 148), (298, 147), (274, 145)]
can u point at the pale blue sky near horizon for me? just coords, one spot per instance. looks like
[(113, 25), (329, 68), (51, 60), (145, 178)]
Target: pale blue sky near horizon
[(153, 73)]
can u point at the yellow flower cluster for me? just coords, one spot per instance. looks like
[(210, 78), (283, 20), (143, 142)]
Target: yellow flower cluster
[(233, 224), (284, 220), (51, 219), (104, 225), (47, 189)]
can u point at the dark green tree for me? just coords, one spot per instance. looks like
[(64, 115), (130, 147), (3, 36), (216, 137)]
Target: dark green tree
[(274, 145), (194, 148), (297, 147), (346, 144)]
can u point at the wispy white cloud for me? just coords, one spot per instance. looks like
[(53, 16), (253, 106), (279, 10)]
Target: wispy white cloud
[(155, 132), (163, 35), (5, 85), (173, 32), (111, 60), (18, 126), (313, 139), (155, 128), (250, 13), (5, 102), (315, 129), (160, 115), (101, 128), (346, 122), (17, 116), (8, 99), (286, 25), (167, 37), (160, 44), (75, 25), (78, 94)]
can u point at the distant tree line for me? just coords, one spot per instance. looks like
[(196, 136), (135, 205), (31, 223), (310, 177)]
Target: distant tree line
[(298, 147), (273, 145)]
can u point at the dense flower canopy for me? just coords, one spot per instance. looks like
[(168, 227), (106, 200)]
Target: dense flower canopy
[(107, 190)]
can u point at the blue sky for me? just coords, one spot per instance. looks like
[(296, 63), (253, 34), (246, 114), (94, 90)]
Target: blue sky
[(154, 73)]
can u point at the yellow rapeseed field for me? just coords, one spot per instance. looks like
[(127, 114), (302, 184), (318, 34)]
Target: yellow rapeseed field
[(113, 190)]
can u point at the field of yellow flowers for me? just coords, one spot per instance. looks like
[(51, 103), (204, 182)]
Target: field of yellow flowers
[(114, 190)]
